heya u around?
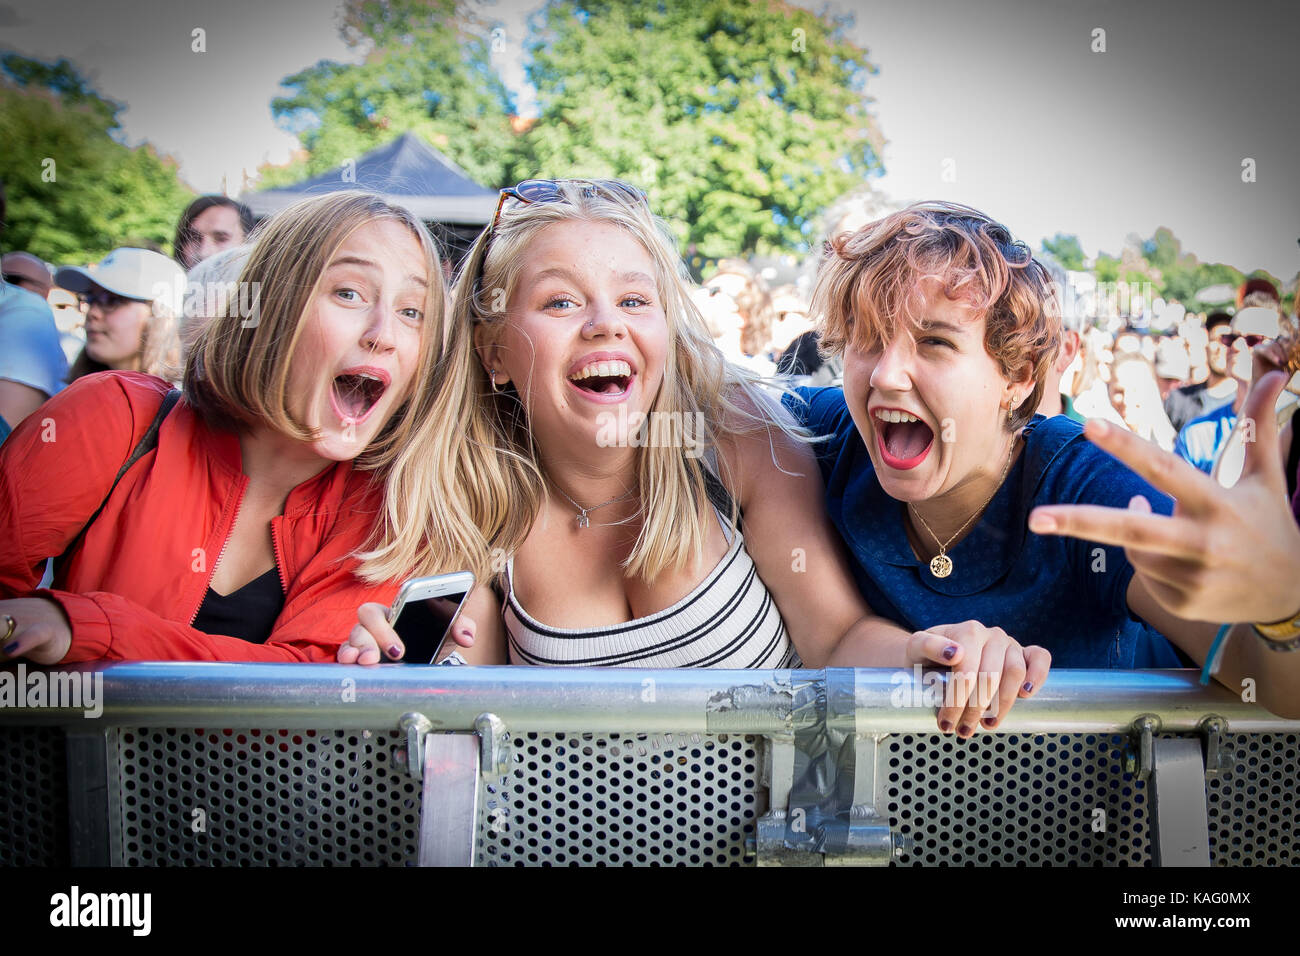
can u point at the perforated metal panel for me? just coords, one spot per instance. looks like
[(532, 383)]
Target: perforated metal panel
[(341, 797), (625, 800), (1255, 804), (260, 797), (33, 797), (1000, 799)]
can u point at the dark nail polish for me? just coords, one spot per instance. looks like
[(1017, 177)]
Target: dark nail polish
[(10, 648), (945, 725), (963, 731), (1028, 686), (988, 722), (950, 652), (393, 651)]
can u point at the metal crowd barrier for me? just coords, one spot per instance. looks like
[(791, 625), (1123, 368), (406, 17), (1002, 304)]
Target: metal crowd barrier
[(252, 764)]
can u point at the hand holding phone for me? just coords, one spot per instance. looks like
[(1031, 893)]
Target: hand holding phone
[(416, 626), (425, 611)]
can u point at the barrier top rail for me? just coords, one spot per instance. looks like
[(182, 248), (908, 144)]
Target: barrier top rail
[(612, 700)]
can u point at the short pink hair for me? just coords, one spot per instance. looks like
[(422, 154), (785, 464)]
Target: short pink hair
[(873, 279)]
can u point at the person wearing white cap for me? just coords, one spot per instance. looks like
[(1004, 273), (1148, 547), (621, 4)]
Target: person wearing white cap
[(133, 306)]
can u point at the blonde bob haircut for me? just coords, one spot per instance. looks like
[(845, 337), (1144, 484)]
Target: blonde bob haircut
[(872, 285), (237, 376), (697, 379)]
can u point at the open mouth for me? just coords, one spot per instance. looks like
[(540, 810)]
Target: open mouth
[(354, 395), (604, 378), (904, 439)]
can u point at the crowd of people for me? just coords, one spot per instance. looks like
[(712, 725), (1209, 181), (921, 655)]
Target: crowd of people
[(894, 469), (1195, 373)]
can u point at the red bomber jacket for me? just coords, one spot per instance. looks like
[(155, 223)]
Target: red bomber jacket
[(136, 581)]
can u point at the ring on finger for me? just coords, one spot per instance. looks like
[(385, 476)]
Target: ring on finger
[(10, 626)]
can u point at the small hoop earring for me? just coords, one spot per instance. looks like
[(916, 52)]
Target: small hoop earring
[(493, 376), (1011, 408)]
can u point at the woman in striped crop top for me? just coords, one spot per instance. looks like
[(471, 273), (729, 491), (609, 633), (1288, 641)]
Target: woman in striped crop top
[(656, 507)]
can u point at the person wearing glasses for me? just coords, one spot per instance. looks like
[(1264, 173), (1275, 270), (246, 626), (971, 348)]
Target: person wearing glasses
[(1203, 439), (132, 300), (934, 457), (653, 507)]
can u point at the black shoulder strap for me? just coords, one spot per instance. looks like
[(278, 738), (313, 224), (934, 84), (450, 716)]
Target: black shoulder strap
[(716, 491), (718, 494), (1293, 457), (147, 443)]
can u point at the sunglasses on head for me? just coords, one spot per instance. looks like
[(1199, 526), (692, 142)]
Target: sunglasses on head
[(550, 190), (104, 299), (1228, 338)]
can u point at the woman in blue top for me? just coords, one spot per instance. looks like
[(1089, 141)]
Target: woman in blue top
[(933, 457)]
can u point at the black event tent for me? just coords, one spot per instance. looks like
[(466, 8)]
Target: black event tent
[(407, 172)]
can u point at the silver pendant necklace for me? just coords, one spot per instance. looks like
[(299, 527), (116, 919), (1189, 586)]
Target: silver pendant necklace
[(583, 521)]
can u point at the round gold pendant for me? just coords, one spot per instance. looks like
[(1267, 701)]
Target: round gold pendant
[(941, 565)]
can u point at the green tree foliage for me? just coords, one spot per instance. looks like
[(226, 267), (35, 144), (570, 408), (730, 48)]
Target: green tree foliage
[(1066, 250), (1173, 273), (742, 119), (426, 70), (74, 192)]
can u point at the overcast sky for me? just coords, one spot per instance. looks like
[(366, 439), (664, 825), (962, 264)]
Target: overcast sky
[(1005, 96)]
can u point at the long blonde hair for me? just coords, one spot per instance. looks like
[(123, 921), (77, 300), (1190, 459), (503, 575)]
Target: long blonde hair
[(697, 379), (238, 366)]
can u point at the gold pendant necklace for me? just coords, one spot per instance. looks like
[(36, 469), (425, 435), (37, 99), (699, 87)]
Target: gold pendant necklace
[(941, 565)]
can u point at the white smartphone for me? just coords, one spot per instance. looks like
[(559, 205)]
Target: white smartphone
[(424, 612)]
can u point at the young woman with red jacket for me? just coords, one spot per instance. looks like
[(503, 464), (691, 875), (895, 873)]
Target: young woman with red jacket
[(270, 508)]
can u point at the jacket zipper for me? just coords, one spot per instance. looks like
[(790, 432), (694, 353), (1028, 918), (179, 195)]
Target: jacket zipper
[(279, 555), (230, 528)]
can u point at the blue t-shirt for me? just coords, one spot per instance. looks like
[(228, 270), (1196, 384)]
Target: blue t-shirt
[(1069, 596), (1201, 438), (30, 352)]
